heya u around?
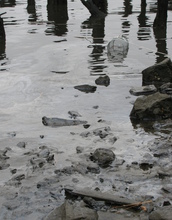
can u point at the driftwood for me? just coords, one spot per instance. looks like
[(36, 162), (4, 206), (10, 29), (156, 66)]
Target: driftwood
[(108, 198), (93, 9)]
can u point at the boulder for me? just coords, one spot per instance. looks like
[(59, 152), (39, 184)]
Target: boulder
[(158, 74), (104, 157), (152, 107)]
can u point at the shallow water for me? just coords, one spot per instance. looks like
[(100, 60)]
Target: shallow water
[(48, 53), (46, 50)]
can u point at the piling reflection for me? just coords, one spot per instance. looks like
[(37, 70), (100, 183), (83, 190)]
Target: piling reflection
[(58, 14), (7, 3), (31, 9), (161, 44), (2, 39), (144, 32), (97, 24), (127, 11)]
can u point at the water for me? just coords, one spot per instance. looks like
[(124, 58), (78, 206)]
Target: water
[(48, 51)]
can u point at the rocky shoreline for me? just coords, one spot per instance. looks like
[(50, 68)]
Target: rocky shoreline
[(95, 182)]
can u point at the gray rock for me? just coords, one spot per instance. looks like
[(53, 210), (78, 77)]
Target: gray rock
[(74, 114), (21, 144), (86, 88), (103, 81), (144, 90), (79, 149), (166, 88), (104, 157), (72, 211), (162, 213), (158, 74), (57, 122), (152, 107)]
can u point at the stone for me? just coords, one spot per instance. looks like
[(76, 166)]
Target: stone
[(144, 90), (158, 74), (103, 81), (104, 157), (162, 213), (153, 107), (86, 88), (57, 122), (21, 144), (166, 88), (72, 210)]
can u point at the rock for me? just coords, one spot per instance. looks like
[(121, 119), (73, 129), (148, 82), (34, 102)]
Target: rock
[(103, 81), (102, 132), (152, 107), (57, 122), (71, 211), (21, 144), (162, 213), (144, 90), (104, 157), (2, 30), (74, 114), (86, 88), (158, 74), (79, 149), (166, 88), (117, 49)]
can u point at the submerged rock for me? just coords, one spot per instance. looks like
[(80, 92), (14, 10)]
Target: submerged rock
[(86, 88), (104, 157), (57, 122), (103, 81), (152, 107), (158, 74)]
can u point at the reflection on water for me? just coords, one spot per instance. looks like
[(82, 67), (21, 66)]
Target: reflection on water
[(126, 12), (98, 33), (57, 16), (31, 10), (57, 12), (161, 44), (7, 3), (127, 8), (144, 28), (96, 57), (2, 39)]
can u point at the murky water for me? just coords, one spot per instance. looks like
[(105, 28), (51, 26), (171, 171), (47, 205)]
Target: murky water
[(49, 47), (48, 51)]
